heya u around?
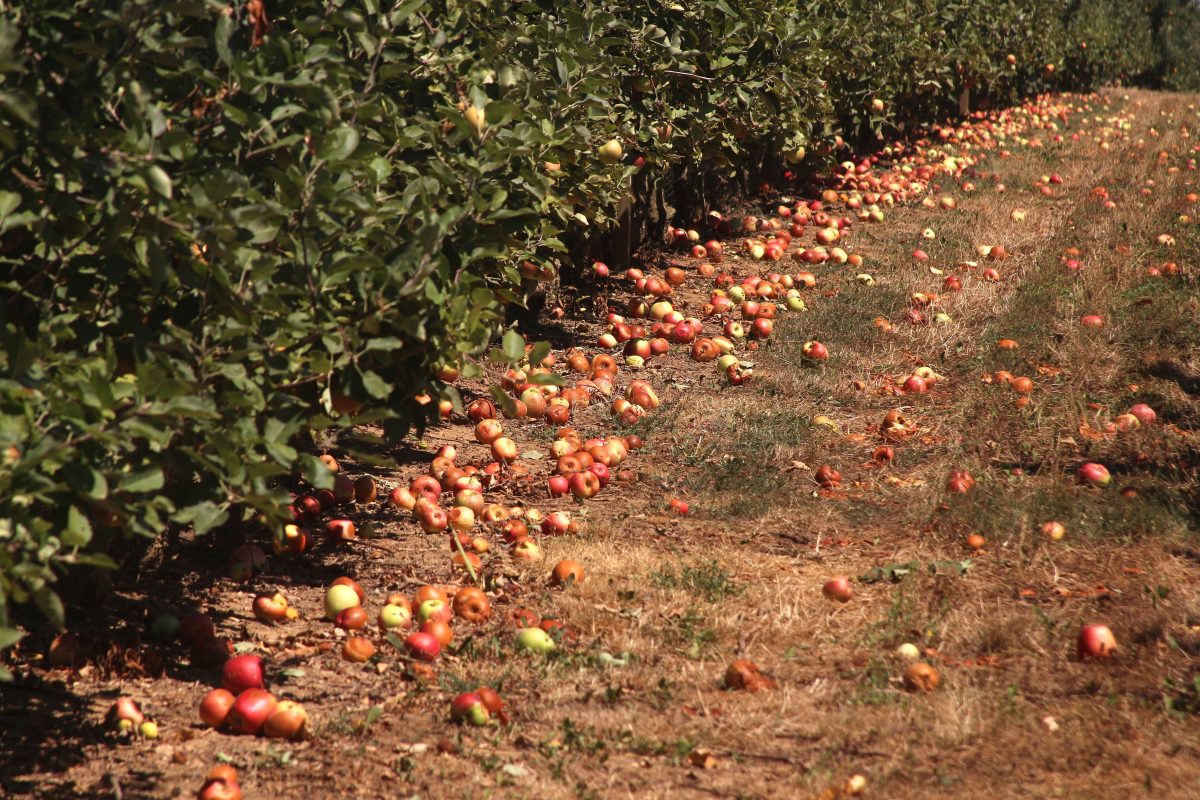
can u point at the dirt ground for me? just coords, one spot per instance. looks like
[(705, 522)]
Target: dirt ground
[(632, 702)]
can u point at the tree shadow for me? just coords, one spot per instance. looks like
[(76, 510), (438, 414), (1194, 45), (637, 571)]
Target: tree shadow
[(44, 728)]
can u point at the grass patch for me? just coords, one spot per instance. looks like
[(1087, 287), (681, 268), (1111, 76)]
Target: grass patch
[(709, 581)]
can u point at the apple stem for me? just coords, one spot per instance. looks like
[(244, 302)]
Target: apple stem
[(466, 561)]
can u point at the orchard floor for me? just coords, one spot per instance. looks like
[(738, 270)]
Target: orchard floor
[(674, 599)]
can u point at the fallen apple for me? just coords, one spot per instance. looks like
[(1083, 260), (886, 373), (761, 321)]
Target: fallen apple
[(241, 673), (1054, 530), (358, 649), (469, 707), (535, 640), (920, 677), (422, 646), (1144, 413), (214, 708), (338, 598), (1093, 474), (567, 573), (838, 589), (250, 711), (288, 721), (1096, 641)]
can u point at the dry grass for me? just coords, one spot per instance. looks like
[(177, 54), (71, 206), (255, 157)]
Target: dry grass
[(678, 598)]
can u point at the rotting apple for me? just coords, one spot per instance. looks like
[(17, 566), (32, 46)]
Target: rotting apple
[(921, 677), (358, 649), (472, 604)]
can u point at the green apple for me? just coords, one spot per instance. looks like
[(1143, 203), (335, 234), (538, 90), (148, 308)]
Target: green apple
[(338, 599), (535, 640), (611, 151), (165, 627), (391, 616)]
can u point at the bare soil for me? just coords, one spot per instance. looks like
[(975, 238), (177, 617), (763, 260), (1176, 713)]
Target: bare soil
[(632, 704)]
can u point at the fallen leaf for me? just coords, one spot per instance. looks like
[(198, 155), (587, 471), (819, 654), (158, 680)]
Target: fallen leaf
[(1092, 434)]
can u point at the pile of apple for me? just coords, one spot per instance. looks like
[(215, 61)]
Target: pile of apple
[(243, 705)]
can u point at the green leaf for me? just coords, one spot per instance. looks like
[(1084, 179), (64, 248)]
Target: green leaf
[(51, 605), (203, 516), (79, 529), (538, 352), (9, 637), (513, 346), (503, 400), (221, 36), (339, 144), (145, 480), (159, 181), (86, 480), (546, 379), (9, 201), (375, 385), (315, 472)]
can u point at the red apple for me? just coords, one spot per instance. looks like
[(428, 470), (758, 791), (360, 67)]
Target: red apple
[(1096, 641), (422, 646), (1094, 474), (340, 530), (241, 673), (343, 489), (271, 607), (556, 522), (196, 628), (814, 351), (214, 708), (288, 721), (827, 476), (469, 707), (601, 472), (585, 485), (838, 589), (251, 710), (558, 485), (1144, 413)]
